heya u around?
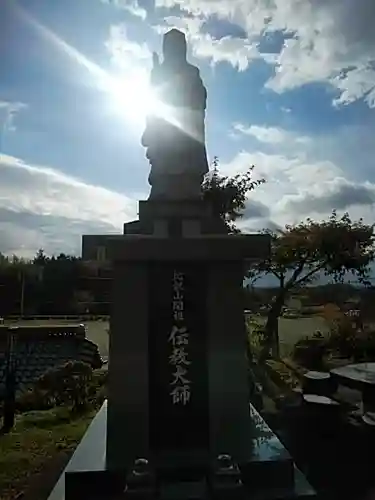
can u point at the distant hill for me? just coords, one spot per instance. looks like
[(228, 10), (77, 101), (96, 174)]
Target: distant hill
[(341, 294), (270, 281)]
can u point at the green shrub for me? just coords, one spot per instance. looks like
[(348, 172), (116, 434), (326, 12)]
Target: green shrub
[(100, 396), (366, 345), (346, 341), (32, 400), (281, 374), (256, 338), (69, 384), (100, 378), (309, 352)]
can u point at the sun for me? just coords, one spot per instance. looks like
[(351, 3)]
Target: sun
[(133, 97)]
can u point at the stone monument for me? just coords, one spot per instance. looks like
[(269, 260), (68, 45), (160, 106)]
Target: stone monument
[(178, 423)]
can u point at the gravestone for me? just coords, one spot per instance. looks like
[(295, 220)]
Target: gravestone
[(177, 419)]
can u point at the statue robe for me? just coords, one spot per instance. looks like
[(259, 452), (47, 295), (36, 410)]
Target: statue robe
[(176, 142)]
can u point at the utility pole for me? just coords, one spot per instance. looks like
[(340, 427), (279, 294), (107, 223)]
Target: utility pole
[(10, 382), (22, 301)]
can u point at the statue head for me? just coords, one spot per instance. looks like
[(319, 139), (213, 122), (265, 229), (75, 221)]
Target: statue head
[(174, 47)]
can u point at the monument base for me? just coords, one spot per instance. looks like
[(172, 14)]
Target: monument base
[(142, 411), (175, 218), (270, 474)]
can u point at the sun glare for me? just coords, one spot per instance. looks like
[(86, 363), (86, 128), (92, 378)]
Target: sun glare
[(134, 98), (131, 94)]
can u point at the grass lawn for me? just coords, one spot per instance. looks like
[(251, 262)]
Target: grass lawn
[(291, 330), (33, 454)]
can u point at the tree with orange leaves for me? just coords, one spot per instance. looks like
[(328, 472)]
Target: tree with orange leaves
[(303, 252)]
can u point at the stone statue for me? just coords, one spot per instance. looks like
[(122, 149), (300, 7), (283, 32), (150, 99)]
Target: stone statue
[(175, 142)]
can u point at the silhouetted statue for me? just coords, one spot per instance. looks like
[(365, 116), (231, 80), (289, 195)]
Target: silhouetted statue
[(175, 142)]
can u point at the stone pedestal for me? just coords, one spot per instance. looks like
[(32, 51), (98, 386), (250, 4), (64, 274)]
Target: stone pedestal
[(175, 219), (140, 412)]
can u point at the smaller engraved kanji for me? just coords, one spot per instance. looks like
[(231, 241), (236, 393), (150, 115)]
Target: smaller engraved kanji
[(177, 294), (178, 315), (177, 286), (178, 276)]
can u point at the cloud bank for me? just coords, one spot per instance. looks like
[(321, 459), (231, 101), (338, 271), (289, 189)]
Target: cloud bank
[(301, 181), (42, 207), (330, 41)]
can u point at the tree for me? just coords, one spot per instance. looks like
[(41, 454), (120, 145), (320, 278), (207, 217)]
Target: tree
[(303, 252), (25, 273), (40, 258), (227, 195)]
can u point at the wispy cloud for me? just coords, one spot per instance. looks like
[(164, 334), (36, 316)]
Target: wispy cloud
[(125, 53), (238, 52), (271, 135), (54, 209), (132, 6), (306, 175), (338, 193), (8, 112), (331, 42)]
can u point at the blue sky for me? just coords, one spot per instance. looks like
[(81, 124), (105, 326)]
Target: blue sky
[(291, 89)]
